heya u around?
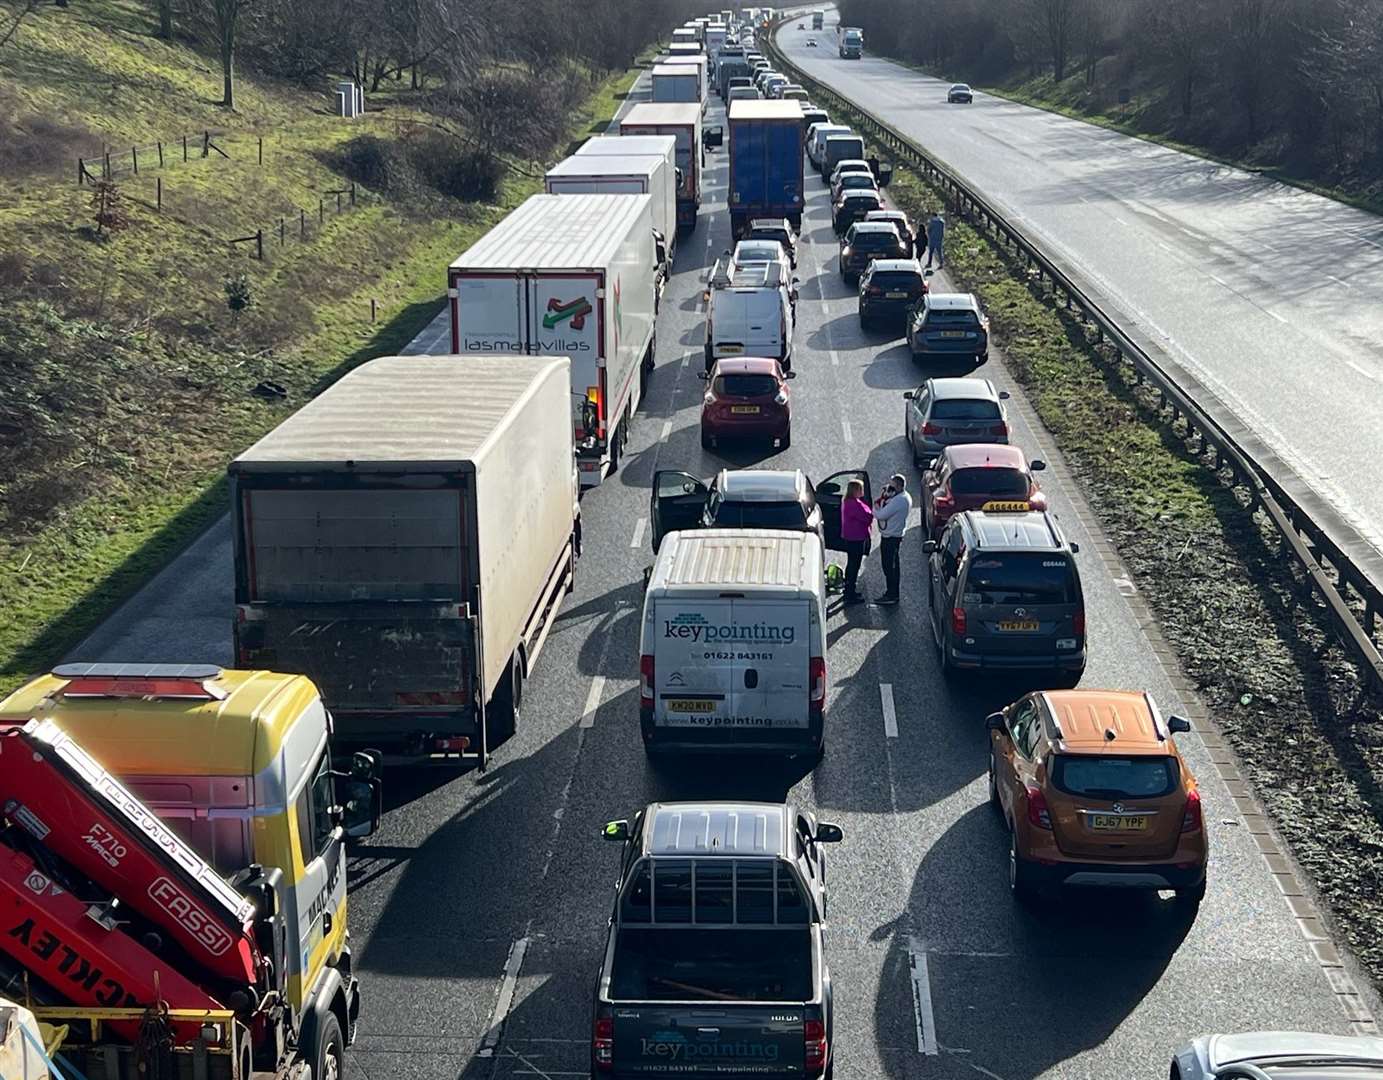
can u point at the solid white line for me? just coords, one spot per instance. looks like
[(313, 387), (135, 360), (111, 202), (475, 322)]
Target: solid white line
[(593, 701), (1276, 316), (922, 998), (890, 714), (639, 527), (667, 430), (835, 358), (845, 427), (506, 997)]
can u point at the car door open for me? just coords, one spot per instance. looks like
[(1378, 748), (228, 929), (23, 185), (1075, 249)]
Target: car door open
[(677, 502), (830, 493)]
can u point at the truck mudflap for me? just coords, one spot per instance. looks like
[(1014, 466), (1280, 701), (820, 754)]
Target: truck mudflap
[(69, 804), (82, 955), (741, 1039)]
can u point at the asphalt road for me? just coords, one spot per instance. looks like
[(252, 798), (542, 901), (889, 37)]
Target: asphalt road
[(478, 911), (1266, 293)]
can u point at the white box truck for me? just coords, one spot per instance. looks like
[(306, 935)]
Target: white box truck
[(654, 175), (733, 643), (405, 540), (700, 65), (674, 83), (574, 275), (683, 122)]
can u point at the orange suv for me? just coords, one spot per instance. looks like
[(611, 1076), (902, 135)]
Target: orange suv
[(1095, 792)]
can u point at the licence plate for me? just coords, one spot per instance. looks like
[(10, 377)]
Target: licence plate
[(744, 408), (895, 296), (1019, 625), (1117, 823), (688, 705), (953, 333), (732, 350)]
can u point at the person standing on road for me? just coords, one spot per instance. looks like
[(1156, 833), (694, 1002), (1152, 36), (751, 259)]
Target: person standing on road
[(856, 519), (936, 238), (893, 507)]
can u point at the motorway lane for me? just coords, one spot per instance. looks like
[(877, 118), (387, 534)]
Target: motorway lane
[(484, 896), (1267, 293)]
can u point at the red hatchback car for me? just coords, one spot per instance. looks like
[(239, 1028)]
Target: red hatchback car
[(969, 476), (747, 398)]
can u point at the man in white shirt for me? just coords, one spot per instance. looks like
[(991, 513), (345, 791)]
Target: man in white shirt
[(891, 512)]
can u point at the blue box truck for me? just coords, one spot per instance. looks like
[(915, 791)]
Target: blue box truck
[(765, 162)]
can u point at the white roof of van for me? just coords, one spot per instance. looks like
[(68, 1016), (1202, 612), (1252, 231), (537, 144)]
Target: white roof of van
[(557, 232), (410, 411), (767, 560)]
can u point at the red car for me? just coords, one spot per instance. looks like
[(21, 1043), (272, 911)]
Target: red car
[(747, 398), (969, 476)]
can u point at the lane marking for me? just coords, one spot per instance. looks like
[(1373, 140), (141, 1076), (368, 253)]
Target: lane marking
[(922, 998), (1339, 281), (835, 358), (825, 308), (639, 527), (667, 430), (593, 701), (512, 965), (845, 429), (890, 713), (1276, 316), (685, 359)]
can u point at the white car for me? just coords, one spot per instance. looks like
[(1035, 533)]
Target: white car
[(750, 252), (1279, 1055)]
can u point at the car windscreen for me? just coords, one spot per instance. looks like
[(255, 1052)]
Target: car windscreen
[(897, 281), (851, 180), (965, 409), (952, 317), (760, 515), (744, 386), (1011, 578), (1107, 777), (760, 251), (988, 480)]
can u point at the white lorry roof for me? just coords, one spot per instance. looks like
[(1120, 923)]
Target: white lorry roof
[(627, 145), (606, 165), (747, 560), (766, 110), (673, 69), (557, 232), (401, 412), (659, 114)]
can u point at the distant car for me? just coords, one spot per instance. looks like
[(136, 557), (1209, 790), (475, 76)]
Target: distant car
[(744, 93), (947, 412), (852, 206), (890, 288), (960, 94), (1284, 1054), (854, 181), (762, 250), (949, 324), (811, 43), (775, 229), (968, 476), (849, 165), (903, 224), (864, 242), (812, 115), (747, 398), (793, 93)]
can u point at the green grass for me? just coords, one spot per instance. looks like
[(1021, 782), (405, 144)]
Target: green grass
[(152, 374)]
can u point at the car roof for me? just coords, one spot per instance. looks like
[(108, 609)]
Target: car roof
[(769, 223), (886, 215), (862, 193), (1029, 530), (747, 365), (950, 301), (716, 828), (960, 86), (896, 266), (978, 455), (946, 389), (761, 485), (870, 228), (1085, 720)]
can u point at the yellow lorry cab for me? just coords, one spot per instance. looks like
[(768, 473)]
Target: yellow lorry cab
[(238, 764)]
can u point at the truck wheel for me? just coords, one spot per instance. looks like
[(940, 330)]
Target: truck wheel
[(331, 1053), (508, 701), (616, 437)]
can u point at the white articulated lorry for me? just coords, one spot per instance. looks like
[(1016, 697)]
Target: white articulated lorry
[(405, 540), (572, 275), (669, 80), (632, 146), (682, 120), (654, 175)]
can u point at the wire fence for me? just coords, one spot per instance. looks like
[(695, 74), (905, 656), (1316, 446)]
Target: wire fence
[(113, 163)]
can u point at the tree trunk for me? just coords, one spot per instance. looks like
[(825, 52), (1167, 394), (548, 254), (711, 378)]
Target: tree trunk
[(228, 69), (165, 19)]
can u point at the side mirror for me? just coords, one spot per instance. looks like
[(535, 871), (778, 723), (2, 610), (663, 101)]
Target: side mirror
[(994, 722), (908, 395), (827, 833), (1003, 395), (647, 577), (366, 764), (359, 815), (1037, 464), (703, 375), (930, 547), (1178, 725), (790, 375), (1075, 548), (714, 138), (616, 830)]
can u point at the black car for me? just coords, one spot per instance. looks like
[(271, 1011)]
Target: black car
[(852, 206), (865, 241), (905, 230), (779, 229), (889, 289), (960, 94)]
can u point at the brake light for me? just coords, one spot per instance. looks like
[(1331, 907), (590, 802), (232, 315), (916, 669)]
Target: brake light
[(781, 398), (999, 429), (1192, 820), (814, 1045), (931, 429), (816, 680), (1078, 622), (958, 622), (646, 681), (603, 1043), (709, 399), (874, 290), (1038, 815)]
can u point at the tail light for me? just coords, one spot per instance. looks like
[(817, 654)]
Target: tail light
[(816, 680), (1039, 817), (709, 399), (958, 622), (814, 1045), (999, 429), (874, 290), (646, 681), (943, 499), (1078, 622), (931, 429), (1192, 820), (603, 1043), (781, 398)]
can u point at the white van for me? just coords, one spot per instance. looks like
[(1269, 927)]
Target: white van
[(733, 648), (750, 312), (820, 133)]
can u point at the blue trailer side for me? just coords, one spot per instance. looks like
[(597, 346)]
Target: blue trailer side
[(766, 171)]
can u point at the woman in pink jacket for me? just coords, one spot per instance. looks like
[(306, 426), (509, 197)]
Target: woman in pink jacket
[(856, 519)]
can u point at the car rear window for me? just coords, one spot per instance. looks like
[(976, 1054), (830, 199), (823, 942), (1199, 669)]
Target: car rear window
[(895, 280), (744, 385), (965, 409), (852, 180), (1039, 578), (1105, 777), (876, 240), (952, 317), (1001, 483), (760, 515)]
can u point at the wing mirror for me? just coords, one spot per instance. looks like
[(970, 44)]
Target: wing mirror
[(790, 375), (930, 547), (616, 830), (704, 376), (714, 137), (1037, 465), (1075, 548), (994, 722), (1178, 725), (827, 833), (1003, 395), (908, 395)]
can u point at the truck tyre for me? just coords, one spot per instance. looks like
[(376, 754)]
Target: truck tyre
[(616, 438), (508, 701), (331, 1050)]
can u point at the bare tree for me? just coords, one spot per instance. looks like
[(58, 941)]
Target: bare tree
[(1053, 23), (1182, 31), (221, 21)]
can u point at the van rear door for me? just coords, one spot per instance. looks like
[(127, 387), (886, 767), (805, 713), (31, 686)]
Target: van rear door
[(694, 669), (772, 657)]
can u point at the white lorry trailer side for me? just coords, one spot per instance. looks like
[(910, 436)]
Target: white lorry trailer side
[(654, 175), (683, 122), (573, 275), (381, 550)]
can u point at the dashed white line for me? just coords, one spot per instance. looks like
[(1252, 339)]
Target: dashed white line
[(825, 308), (1276, 316), (845, 429), (835, 358), (890, 713), (685, 359), (922, 998), (639, 527), (667, 430), (512, 966), (593, 701)]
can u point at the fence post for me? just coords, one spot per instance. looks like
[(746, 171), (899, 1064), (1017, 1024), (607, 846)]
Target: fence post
[(160, 192), (134, 158), (107, 173), (81, 172), (338, 202), (206, 143), (302, 224), (372, 309), (184, 148), (160, 155), (259, 243), (261, 149), (321, 211), (352, 192), (280, 232)]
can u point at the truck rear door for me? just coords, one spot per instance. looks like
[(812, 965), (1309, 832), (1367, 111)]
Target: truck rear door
[(487, 314), (565, 317), (695, 671), (771, 664), (704, 1040)]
